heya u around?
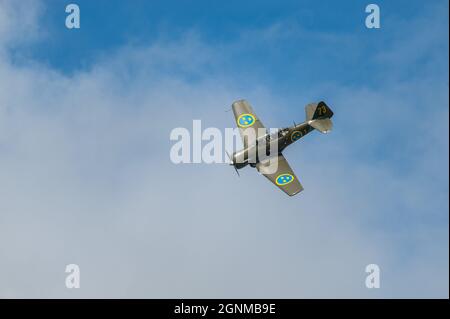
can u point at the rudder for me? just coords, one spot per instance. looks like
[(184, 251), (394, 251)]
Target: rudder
[(318, 116)]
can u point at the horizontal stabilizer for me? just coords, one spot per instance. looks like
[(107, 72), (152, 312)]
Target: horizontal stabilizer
[(323, 125)]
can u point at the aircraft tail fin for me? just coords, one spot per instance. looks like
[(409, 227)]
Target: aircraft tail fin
[(316, 111), (318, 115)]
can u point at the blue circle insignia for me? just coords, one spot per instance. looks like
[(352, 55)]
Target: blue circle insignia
[(246, 120), (296, 136), (284, 179)]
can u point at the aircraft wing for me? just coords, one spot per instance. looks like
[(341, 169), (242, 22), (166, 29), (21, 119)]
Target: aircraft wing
[(246, 119), (283, 177)]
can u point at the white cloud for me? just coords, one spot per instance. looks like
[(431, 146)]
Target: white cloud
[(18, 22), (85, 178)]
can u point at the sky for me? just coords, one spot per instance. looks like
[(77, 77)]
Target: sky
[(86, 177)]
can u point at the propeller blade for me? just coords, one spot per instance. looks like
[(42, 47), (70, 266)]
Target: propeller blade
[(229, 157), (231, 163), (237, 172)]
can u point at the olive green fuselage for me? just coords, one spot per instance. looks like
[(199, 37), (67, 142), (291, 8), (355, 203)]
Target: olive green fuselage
[(270, 145)]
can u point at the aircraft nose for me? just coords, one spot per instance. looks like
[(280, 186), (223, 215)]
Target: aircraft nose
[(233, 159)]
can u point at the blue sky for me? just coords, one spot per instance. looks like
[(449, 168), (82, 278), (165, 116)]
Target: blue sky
[(85, 118), (109, 25)]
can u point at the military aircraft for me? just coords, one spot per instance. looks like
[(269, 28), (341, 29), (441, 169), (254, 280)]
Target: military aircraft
[(275, 167)]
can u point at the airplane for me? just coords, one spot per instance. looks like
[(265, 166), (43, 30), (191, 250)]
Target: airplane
[(275, 168)]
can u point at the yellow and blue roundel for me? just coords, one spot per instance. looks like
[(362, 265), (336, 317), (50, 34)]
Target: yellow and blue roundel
[(296, 135), (246, 120), (284, 179)]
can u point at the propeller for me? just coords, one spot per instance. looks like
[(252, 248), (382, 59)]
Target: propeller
[(231, 163)]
